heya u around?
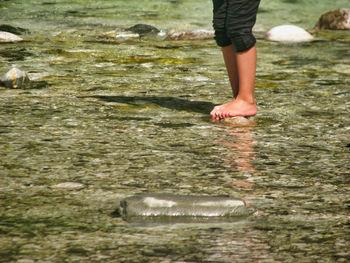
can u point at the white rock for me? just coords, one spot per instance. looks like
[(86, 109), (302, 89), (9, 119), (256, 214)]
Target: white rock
[(83, 51), (37, 75), (288, 33), (68, 185), (9, 37)]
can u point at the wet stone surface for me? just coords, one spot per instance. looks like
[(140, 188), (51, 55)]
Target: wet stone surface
[(15, 79), (114, 118), (188, 207)]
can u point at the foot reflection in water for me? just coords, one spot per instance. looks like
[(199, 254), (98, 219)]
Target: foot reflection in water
[(241, 139)]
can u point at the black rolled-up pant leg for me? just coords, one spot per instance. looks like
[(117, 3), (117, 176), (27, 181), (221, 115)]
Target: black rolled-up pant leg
[(219, 22), (233, 22)]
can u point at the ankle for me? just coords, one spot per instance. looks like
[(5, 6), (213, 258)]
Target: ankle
[(248, 100)]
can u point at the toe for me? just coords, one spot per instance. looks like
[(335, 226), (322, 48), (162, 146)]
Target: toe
[(214, 112), (222, 115)]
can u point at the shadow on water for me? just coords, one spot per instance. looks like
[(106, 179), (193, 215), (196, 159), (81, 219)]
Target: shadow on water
[(15, 54), (172, 103)]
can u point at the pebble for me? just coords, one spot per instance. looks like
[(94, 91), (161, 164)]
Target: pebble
[(289, 33), (69, 185)]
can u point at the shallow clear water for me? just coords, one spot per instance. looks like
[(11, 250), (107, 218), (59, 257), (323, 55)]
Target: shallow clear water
[(125, 117)]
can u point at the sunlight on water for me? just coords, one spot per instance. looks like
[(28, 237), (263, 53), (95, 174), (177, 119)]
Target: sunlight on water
[(108, 118)]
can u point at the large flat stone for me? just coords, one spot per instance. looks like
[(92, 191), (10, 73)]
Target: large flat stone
[(175, 206)]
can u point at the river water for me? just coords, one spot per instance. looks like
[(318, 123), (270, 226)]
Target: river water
[(112, 118)]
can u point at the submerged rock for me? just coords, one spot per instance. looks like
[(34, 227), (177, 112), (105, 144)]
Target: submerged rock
[(33, 76), (135, 32), (289, 33), (15, 79), (338, 19), (13, 29), (191, 35), (7, 37), (144, 30), (167, 205), (244, 121)]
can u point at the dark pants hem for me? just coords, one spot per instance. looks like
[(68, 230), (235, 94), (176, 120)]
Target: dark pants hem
[(233, 22)]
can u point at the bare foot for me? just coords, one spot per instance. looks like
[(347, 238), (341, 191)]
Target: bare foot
[(233, 109)]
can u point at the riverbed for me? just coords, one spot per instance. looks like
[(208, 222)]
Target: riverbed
[(110, 118)]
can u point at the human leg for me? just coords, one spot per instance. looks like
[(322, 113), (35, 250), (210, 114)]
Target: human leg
[(233, 23), (230, 58), (244, 103)]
